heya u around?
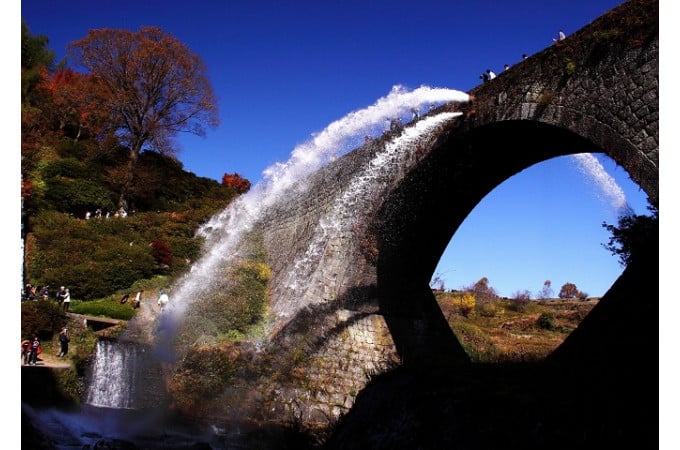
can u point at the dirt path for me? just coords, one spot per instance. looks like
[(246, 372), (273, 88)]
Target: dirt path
[(140, 328), (52, 361)]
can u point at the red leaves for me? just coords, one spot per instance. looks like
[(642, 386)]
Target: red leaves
[(236, 182)]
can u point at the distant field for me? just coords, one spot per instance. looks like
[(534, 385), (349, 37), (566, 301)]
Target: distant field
[(508, 330)]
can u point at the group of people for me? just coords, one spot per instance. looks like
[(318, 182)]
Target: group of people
[(137, 301), (162, 301), (31, 348), (490, 74), (63, 295), (120, 212), (31, 292)]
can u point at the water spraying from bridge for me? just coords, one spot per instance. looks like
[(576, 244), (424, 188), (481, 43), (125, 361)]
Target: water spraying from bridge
[(335, 228), (225, 230), (611, 192)]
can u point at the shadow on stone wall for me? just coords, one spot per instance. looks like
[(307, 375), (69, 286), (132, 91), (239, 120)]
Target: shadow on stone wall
[(598, 390)]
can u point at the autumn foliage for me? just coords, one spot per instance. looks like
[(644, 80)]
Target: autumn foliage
[(154, 87), (235, 181), (569, 290), (161, 252)]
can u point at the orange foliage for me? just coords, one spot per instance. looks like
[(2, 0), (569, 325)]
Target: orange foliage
[(78, 102), (156, 86), (236, 182)]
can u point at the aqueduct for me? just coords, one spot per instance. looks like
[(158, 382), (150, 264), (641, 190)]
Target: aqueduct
[(369, 304)]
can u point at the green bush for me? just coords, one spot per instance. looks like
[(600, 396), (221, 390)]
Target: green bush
[(517, 304), (72, 186), (92, 258), (103, 308), (546, 321), (236, 303), (42, 318), (202, 374)]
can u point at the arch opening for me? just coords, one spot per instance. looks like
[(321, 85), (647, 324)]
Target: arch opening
[(415, 227), (499, 280)]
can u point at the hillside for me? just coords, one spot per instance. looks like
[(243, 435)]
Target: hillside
[(512, 330)]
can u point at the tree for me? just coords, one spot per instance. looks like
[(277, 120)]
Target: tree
[(36, 61), (75, 104), (482, 291), (546, 291), (569, 290), (236, 182), (34, 57), (523, 295), (156, 89), (633, 234), (437, 282)]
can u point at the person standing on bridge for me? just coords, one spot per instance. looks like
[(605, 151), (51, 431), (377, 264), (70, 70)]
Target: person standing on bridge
[(67, 300), (560, 36)]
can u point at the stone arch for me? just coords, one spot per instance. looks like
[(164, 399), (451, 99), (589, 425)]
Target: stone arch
[(597, 91), (420, 216)]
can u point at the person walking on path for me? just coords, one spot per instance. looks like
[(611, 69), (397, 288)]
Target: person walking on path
[(162, 299), (63, 342), (67, 300), (138, 298), (25, 351), (36, 349)]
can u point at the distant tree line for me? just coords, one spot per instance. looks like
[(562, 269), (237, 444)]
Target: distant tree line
[(630, 237)]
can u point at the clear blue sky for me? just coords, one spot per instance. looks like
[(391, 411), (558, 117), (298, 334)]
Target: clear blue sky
[(282, 73)]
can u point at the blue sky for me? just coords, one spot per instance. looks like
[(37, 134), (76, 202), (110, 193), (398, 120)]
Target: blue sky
[(282, 73)]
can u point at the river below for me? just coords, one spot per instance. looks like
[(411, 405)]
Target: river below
[(110, 428)]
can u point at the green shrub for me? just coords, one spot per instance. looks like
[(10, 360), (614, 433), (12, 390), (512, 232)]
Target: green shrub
[(42, 318), (103, 308), (72, 186), (202, 374), (517, 304), (473, 339), (546, 321), (489, 310)]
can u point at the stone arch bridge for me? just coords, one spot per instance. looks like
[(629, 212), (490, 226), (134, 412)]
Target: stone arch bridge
[(366, 303)]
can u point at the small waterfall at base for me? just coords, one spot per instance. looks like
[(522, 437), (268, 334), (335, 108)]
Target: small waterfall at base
[(113, 376), (124, 376)]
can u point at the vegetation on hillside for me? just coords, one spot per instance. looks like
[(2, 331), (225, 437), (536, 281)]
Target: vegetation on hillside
[(511, 330), (104, 202), (211, 340)]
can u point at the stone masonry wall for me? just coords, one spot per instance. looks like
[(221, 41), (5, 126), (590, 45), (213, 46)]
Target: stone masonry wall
[(599, 84)]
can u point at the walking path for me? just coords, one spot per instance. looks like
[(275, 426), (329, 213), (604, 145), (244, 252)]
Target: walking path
[(139, 328)]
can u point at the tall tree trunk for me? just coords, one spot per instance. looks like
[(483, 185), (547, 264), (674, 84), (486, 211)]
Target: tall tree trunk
[(129, 178)]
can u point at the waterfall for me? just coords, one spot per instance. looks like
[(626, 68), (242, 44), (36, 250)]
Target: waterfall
[(334, 228), (224, 231), (114, 376)]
